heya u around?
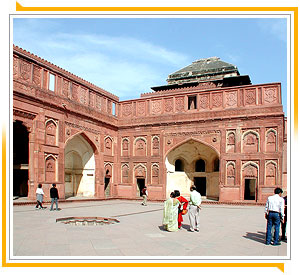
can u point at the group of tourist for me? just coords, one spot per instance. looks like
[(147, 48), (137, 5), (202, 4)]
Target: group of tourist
[(276, 214), (40, 197), (177, 205)]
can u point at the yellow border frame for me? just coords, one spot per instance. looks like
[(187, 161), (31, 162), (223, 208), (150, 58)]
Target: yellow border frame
[(21, 8)]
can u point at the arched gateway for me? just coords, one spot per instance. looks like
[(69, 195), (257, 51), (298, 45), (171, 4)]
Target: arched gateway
[(193, 162), (79, 167)]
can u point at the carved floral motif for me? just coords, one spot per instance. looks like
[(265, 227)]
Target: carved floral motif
[(25, 70), (127, 109), (168, 105), (231, 99), (217, 100), (270, 95), (204, 101), (179, 104), (250, 97), (141, 108), (37, 72), (156, 106)]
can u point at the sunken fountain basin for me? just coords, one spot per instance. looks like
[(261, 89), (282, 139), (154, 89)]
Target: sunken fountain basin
[(87, 221)]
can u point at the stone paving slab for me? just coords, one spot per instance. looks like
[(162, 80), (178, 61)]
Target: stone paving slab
[(225, 230)]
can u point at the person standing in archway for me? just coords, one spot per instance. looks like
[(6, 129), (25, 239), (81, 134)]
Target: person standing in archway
[(145, 195), (182, 207), (194, 208)]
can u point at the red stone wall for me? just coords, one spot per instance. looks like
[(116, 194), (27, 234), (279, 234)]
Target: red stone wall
[(244, 125)]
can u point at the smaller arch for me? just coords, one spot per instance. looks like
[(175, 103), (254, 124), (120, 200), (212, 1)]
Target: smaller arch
[(252, 132), (179, 165), (108, 170), (124, 173), (141, 148), (250, 163), (251, 143), (200, 165), (86, 138)]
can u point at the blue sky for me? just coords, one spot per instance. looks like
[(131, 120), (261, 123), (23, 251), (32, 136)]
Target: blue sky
[(128, 56)]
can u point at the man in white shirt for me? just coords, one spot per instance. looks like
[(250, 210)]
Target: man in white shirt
[(274, 213), (194, 209)]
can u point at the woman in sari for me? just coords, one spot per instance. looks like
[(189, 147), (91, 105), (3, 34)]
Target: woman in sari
[(170, 219)]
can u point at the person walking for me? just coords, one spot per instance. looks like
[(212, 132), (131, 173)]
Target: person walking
[(39, 197), (274, 213), (145, 195), (54, 197), (194, 209), (182, 207)]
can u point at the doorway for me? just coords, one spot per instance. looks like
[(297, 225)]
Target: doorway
[(107, 187), (250, 189), (140, 185), (20, 159), (200, 183)]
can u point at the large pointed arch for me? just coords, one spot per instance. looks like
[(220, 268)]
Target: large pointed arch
[(80, 166), (190, 151)]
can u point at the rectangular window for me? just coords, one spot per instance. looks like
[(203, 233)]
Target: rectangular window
[(192, 102), (114, 109), (51, 82)]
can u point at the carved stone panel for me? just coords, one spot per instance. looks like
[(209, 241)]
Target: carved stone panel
[(140, 147), (108, 146), (168, 105), (25, 70), (231, 99), (127, 110), (204, 101), (83, 95), (37, 76), (98, 103), (66, 88), (271, 171), (271, 141), (156, 107), (217, 100), (230, 145), (50, 169), (75, 88), (140, 171), (250, 171), (155, 146), (155, 174), (270, 95), (250, 97), (125, 173), (16, 67), (250, 142), (179, 104), (230, 172), (125, 147), (141, 108), (51, 132)]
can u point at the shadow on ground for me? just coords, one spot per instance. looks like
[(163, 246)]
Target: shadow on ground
[(258, 237)]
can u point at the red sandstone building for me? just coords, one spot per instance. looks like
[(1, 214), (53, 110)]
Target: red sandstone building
[(209, 126)]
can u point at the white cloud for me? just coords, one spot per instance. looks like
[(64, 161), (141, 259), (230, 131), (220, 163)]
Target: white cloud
[(124, 66), (277, 27)]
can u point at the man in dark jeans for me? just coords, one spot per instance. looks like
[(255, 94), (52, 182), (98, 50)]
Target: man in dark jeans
[(54, 196)]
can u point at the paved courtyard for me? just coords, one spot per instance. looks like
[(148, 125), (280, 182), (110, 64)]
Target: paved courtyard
[(225, 230)]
